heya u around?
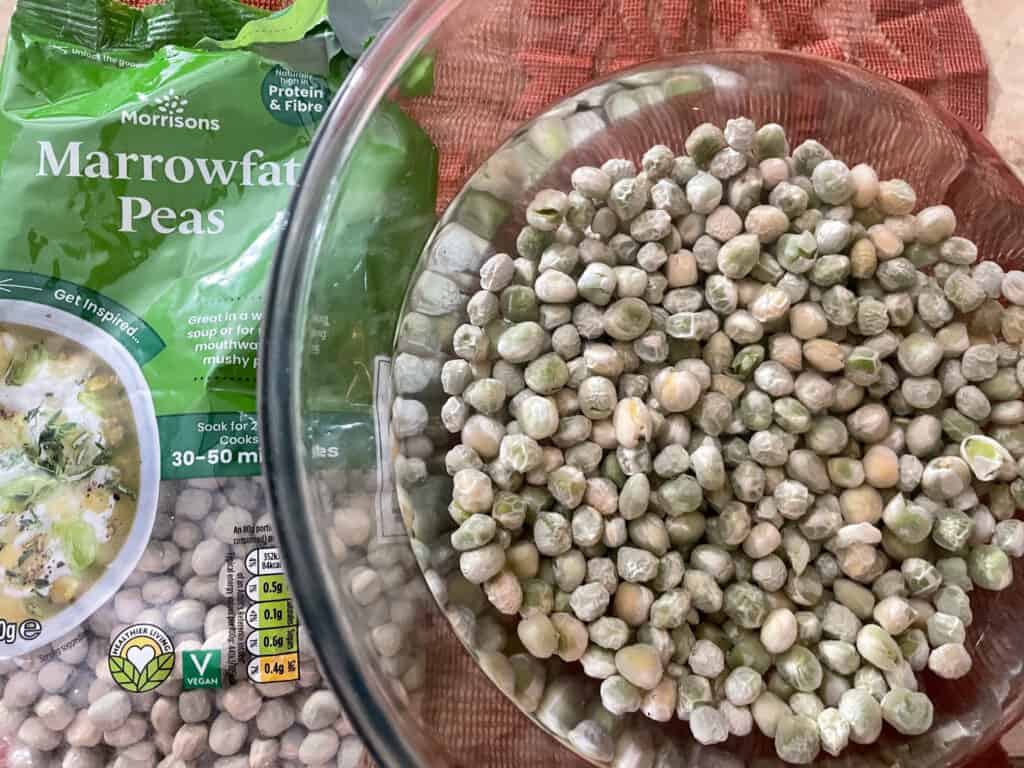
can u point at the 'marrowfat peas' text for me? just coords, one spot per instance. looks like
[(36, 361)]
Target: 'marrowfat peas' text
[(248, 171)]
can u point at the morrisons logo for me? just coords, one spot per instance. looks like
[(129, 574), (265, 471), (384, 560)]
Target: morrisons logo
[(169, 111)]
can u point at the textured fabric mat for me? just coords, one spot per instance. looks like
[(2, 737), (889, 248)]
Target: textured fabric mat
[(512, 58)]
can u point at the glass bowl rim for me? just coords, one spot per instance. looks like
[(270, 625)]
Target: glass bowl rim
[(279, 376)]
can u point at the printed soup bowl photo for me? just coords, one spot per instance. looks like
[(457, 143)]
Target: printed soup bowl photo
[(79, 472)]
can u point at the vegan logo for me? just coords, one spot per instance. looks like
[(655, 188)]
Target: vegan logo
[(140, 658), (168, 111), (200, 669)]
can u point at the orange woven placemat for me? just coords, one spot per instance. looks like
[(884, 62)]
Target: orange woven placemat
[(520, 56)]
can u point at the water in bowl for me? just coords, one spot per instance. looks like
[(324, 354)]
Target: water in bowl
[(861, 119)]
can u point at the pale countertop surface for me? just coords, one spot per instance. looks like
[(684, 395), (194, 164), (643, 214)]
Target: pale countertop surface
[(1000, 24), (6, 9)]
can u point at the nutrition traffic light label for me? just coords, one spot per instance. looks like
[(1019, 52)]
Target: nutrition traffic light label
[(273, 637)]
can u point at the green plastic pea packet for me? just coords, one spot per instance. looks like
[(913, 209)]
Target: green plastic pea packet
[(147, 158)]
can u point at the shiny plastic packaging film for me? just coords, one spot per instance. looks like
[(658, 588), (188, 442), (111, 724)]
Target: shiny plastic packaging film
[(148, 157)]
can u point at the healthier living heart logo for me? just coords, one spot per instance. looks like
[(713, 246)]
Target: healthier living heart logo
[(141, 657)]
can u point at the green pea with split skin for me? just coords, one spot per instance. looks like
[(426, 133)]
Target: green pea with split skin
[(952, 530), (989, 568), (704, 142), (796, 739), (863, 366), (910, 521), (745, 604), (864, 714), (878, 647), (738, 256), (627, 319), (800, 668), (909, 712), (547, 374), (985, 456), (833, 730)]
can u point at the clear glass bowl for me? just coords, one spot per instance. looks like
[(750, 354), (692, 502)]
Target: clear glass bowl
[(340, 487)]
